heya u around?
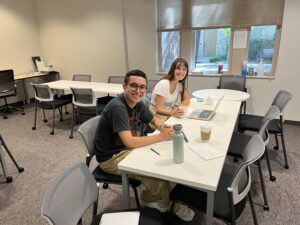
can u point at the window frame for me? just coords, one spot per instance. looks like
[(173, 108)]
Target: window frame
[(240, 21)]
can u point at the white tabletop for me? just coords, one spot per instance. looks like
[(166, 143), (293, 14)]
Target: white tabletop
[(230, 95), (97, 87), (29, 75), (194, 171)]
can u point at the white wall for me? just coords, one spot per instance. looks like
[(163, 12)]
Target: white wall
[(87, 37), (82, 37), (19, 38)]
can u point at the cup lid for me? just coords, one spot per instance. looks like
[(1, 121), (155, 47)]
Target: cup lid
[(205, 127)]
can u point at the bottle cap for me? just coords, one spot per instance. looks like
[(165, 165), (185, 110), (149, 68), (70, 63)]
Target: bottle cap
[(177, 127)]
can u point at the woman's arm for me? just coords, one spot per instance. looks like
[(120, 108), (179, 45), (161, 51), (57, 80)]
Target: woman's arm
[(160, 108)]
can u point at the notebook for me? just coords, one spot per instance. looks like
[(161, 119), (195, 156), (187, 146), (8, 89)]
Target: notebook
[(204, 114)]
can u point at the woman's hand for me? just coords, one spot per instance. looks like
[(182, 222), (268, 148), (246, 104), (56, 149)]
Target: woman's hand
[(177, 112)]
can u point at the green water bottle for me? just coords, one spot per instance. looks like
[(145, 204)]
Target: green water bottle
[(177, 141)]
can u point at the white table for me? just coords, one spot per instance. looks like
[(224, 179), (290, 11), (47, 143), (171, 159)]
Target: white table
[(23, 77), (194, 171), (230, 95), (98, 88)]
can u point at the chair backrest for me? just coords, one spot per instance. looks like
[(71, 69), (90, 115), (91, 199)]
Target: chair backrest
[(69, 196), (241, 182), (271, 114), (43, 92), (83, 97), (6, 76), (233, 82), (116, 79), (151, 85), (82, 77), (87, 130), (281, 100)]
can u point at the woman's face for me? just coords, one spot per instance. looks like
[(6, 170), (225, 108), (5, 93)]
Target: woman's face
[(180, 72)]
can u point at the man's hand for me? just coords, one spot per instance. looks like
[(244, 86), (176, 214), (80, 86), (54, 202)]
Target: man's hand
[(166, 132)]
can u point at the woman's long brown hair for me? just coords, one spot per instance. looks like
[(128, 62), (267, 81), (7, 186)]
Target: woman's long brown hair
[(176, 63)]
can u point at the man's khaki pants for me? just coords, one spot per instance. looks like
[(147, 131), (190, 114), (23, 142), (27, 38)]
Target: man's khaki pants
[(153, 189)]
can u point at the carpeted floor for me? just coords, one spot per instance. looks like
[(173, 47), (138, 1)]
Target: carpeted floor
[(43, 156)]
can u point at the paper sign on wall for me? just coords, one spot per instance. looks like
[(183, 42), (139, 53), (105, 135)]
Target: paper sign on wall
[(240, 39)]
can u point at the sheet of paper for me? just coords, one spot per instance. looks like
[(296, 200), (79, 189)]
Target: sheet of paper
[(131, 218), (240, 39), (206, 151)]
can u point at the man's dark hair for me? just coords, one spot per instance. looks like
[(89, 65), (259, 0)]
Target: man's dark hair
[(137, 73)]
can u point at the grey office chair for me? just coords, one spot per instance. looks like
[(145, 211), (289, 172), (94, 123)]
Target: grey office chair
[(82, 77), (234, 82), (232, 191), (46, 100), (8, 179), (239, 142), (87, 130), (8, 89), (73, 191), (253, 122), (116, 79), (84, 104), (102, 101), (70, 195)]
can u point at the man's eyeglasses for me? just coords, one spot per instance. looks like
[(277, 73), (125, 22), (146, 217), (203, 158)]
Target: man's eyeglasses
[(135, 86)]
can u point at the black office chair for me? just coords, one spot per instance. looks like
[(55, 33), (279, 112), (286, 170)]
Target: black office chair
[(8, 179), (87, 130), (8, 88), (239, 142), (232, 191), (234, 82), (253, 122), (46, 100), (74, 190), (82, 77), (102, 101), (84, 105)]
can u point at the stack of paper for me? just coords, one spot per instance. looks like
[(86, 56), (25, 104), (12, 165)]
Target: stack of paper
[(206, 151)]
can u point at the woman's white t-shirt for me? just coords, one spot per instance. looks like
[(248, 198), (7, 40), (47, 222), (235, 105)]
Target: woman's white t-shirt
[(162, 88)]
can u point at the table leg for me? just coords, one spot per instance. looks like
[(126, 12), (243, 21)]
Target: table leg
[(125, 187), (210, 207)]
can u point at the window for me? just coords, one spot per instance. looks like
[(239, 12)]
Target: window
[(261, 47), (201, 31), (169, 49), (212, 50)]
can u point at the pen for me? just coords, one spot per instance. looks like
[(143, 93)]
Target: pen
[(185, 138), (154, 151)]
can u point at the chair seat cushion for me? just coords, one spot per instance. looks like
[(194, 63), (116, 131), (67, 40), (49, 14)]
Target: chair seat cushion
[(57, 103), (253, 123), (101, 176), (86, 111), (197, 199), (148, 216), (238, 144)]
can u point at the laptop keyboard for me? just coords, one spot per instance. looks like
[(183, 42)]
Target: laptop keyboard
[(205, 114)]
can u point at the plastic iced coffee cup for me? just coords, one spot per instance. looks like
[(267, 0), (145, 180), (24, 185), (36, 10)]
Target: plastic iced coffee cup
[(205, 131)]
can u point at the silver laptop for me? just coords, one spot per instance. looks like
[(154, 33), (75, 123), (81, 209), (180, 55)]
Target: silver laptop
[(204, 114)]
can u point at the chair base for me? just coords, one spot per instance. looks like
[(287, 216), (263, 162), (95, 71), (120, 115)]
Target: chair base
[(7, 109)]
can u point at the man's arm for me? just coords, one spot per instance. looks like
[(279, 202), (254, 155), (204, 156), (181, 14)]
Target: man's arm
[(139, 141)]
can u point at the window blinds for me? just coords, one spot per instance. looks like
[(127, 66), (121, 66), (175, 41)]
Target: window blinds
[(197, 14)]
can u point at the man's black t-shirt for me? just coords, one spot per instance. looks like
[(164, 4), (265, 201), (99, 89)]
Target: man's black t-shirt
[(116, 117)]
